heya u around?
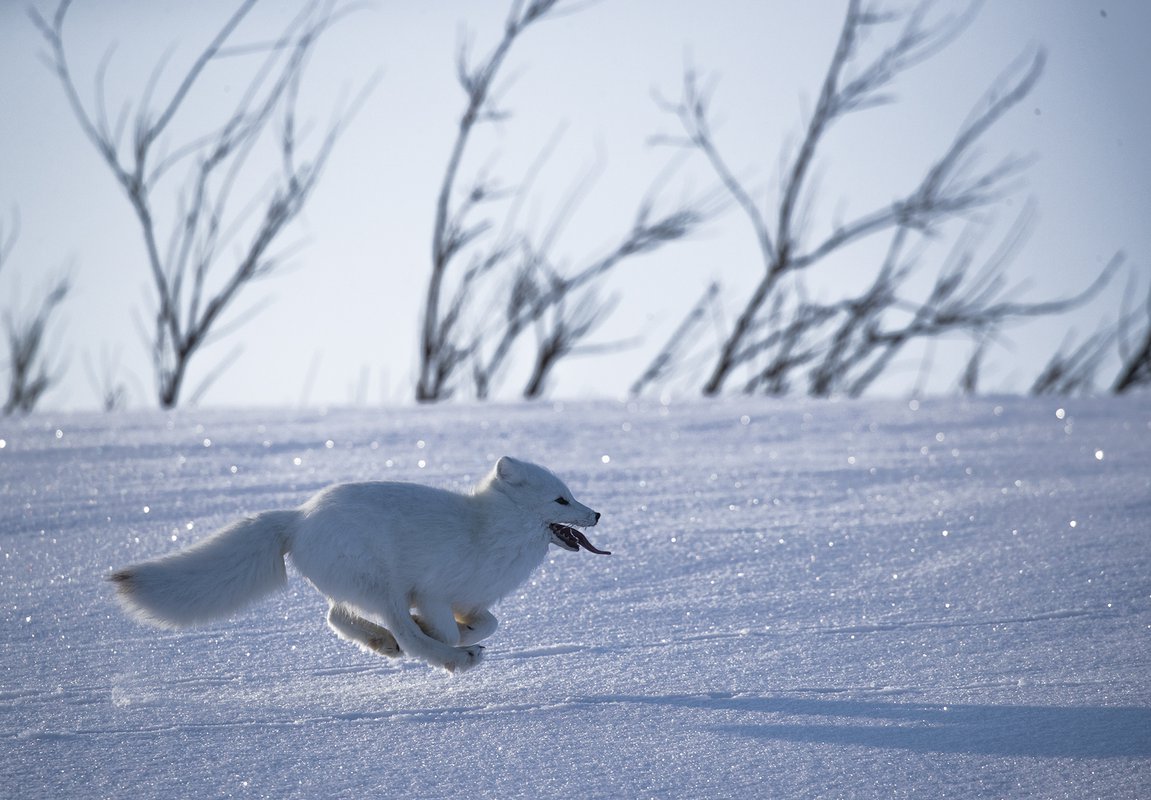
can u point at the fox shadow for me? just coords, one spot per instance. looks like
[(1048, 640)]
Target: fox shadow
[(993, 730)]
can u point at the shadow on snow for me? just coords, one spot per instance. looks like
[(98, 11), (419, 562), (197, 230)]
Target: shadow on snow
[(1027, 731)]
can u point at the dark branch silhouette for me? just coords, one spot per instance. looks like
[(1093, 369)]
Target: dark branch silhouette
[(973, 370), (476, 247), (213, 250), (1072, 370), (104, 381), (668, 358), (843, 347), (1135, 370), (29, 374)]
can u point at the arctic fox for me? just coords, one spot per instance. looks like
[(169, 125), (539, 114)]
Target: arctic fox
[(407, 569)]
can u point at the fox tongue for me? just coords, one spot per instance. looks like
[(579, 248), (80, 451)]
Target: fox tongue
[(569, 538)]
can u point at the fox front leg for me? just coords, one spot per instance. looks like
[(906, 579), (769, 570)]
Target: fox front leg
[(438, 622), (432, 633)]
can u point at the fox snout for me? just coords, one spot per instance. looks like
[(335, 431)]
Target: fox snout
[(584, 521)]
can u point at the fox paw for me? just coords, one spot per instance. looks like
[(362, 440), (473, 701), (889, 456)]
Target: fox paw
[(464, 658), (385, 645)]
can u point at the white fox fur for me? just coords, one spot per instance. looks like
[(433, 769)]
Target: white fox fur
[(406, 568)]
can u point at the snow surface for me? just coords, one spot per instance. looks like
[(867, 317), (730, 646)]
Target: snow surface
[(806, 599)]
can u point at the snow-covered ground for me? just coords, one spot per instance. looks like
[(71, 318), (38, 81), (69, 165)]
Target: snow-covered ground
[(805, 599)]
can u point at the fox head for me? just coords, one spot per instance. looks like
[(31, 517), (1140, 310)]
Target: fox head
[(537, 491)]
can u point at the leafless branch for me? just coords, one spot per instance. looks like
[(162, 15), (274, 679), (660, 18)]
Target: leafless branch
[(961, 301), (474, 248), (973, 369), (194, 282), (1135, 370), (561, 334), (1072, 370), (29, 374), (830, 341), (665, 361), (440, 355), (105, 383)]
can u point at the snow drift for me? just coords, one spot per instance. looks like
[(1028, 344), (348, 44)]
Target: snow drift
[(936, 599)]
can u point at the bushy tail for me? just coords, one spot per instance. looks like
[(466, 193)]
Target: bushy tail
[(212, 578)]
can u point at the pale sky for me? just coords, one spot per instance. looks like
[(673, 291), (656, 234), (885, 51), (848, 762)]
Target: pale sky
[(339, 325)]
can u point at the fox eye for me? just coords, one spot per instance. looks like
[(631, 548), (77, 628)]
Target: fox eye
[(562, 501)]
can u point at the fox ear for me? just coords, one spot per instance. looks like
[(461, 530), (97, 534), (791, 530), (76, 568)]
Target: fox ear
[(508, 470), (505, 469)]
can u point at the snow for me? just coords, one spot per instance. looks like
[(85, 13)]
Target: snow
[(942, 598)]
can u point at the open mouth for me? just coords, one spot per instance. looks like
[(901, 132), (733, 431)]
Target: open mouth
[(569, 538)]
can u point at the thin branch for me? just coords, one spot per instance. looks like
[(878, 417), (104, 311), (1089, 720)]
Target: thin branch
[(473, 250), (438, 358), (29, 375), (1135, 370), (187, 313), (665, 360), (950, 186)]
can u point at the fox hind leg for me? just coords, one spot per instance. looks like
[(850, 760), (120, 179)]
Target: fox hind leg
[(476, 625), (368, 635), (458, 629), (465, 631)]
